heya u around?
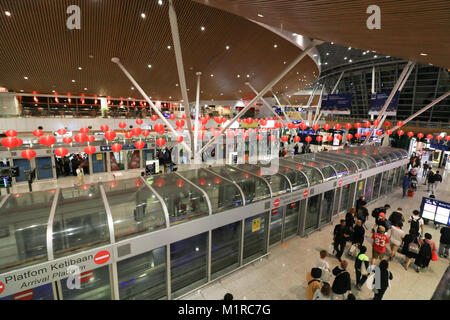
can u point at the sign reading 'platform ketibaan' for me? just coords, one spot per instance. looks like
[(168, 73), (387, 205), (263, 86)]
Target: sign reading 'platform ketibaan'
[(35, 276)]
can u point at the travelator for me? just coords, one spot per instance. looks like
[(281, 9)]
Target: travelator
[(163, 236)]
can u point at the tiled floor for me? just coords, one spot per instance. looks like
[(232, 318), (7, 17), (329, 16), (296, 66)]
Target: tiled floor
[(281, 276)]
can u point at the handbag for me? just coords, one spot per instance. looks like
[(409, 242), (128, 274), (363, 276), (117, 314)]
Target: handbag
[(434, 256), (331, 249), (353, 251), (413, 248)]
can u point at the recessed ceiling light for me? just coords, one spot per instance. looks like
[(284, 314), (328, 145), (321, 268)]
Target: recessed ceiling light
[(345, 58), (227, 47), (160, 2), (350, 60), (212, 75), (349, 48), (73, 81), (332, 43), (238, 75), (22, 91), (26, 78), (80, 68), (375, 56), (169, 47), (8, 13), (248, 76), (275, 45), (85, 89), (202, 28), (132, 88), (284, 62), (149, 66), (143, 15), (176, 85), (221, 94), (423, 54), (260, 15)]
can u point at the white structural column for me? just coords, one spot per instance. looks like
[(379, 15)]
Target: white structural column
[(373, 79), (180, 67), (263, 100), (316, 114), (391, 96), (142, 92), (445, 95), (197, 113), (266, 89), (282, 107)]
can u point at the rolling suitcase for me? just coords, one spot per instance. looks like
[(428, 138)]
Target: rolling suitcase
[(410, 193)]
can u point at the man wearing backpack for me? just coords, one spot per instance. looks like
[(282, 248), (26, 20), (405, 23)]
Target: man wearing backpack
[(396, 217), (377, 211), (416, 223), (437, 180), (430, 179), (362, 213)]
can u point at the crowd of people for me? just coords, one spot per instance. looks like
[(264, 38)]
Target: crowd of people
[(431, 178), (389, 239), (68, 165)]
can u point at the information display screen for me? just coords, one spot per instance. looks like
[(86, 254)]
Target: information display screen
[(436, 211)]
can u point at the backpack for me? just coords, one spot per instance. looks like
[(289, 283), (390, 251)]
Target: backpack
[(395, 217), (377, 211), (415, 225)]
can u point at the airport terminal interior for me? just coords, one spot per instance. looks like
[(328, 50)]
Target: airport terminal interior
[(224, 150)]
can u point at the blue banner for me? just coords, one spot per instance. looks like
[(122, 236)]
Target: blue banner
[(378, 100), (336, 103)]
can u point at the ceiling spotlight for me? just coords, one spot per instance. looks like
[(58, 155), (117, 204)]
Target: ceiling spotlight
[(132, 88), (169, 47), (350, 60), (238, 75), (275, 45), (176, 85), (202, 28), (160, 2), (248, 76), (227, 47), (260, 15), (315, 55), (85, 89), (349, 48), (212, 75), (80, 68), (423, 54), (149, 66), (143, 15), (345, 58), (332, 43), (26, 78), (22, 91), (73, 81), (284, 62), (375, 56), (8, 13), (328, 53)]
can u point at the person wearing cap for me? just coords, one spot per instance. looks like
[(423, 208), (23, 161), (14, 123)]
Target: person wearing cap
[(362, 213), (382, 221), (313, 279), (379, 244)]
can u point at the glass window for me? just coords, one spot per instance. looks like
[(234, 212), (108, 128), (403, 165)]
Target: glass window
[(188, 264), (143, 277), (23, 229), (376, 187), (80, 221), (291, 220), (255, 237), (117, 161), (297, 179), (340, 168), (134, 208), (384, 183), (277, 182), (44, 292), (275, 225), (134, 159), (359, 190), (225, 249), (184, 201), (94, 285), (345, 198), (313, 174), (223, 195), (312, 213), (369, 189), (327, 206), (336, 201), (254, 188)]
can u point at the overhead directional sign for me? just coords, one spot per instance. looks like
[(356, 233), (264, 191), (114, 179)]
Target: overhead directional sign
[(336, 103)]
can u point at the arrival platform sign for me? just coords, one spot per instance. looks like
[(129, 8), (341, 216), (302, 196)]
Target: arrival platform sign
[(47, 272), (336, 103)]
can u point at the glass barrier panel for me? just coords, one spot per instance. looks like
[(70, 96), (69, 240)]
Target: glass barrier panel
[(345, 199), (225, 249), (255, 237), (327, 206), (143, 277), (44, 292), (275, 225), (376, 188), (312, 213), (369, 189), (94, 285), (291, 221)]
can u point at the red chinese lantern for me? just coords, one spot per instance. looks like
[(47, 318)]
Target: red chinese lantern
[(358, 125), (11, 133), (160, 182), (80, 138), (330, 138), (138, 182), (376, 123), (28, 154), (308, 139), (348, 126), (47, 140), (297, 139), (90, 139), (387, 123), (180, 183), (128, 135), (145, 133), (67, 140), (84, 130), (61, 152), (319, 138), (160, 142), (246, 175), (249, 120), (337, 126), (447, 138), (230, 134), (110, 135), (139, 122), (62, 132), (9, 142), (400, 123), (203, 120), (263, 122), (378, 132), (104, 127), (420, 135), (388, 132), (172, 117), (367, 133), (184, 116), (202, 181), (358, 135), (429, 136), (291, 126), (303, 126), (19, 142), (349, 136), (217, 180), (180, 139), (367, 124), (139, 145), (339, 137), (136, 131), (38, 133), (259, 137), (90, 150), (400, 132), (439, 138), (158, 127), (284, 138), (410, 134), (326, 126), (122, 125), (116, 147), (316, 127), (180, 123), (154, 117)]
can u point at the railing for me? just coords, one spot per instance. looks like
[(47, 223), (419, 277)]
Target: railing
[(413, 123)]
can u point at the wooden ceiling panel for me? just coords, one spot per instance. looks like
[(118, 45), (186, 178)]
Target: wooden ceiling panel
[(37, 44), (408, 27)]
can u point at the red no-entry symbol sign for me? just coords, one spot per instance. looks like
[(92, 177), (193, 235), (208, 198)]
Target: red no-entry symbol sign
[(24, 295), (276, 203), (102, 257), (275, 211), (2, 287), (86, 276), (340, 183), (305, 193)]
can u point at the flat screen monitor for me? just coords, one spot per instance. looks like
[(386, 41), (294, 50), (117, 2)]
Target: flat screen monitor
[(435, 210)]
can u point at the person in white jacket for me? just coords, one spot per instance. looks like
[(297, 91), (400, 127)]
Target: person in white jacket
[(324, 265)]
